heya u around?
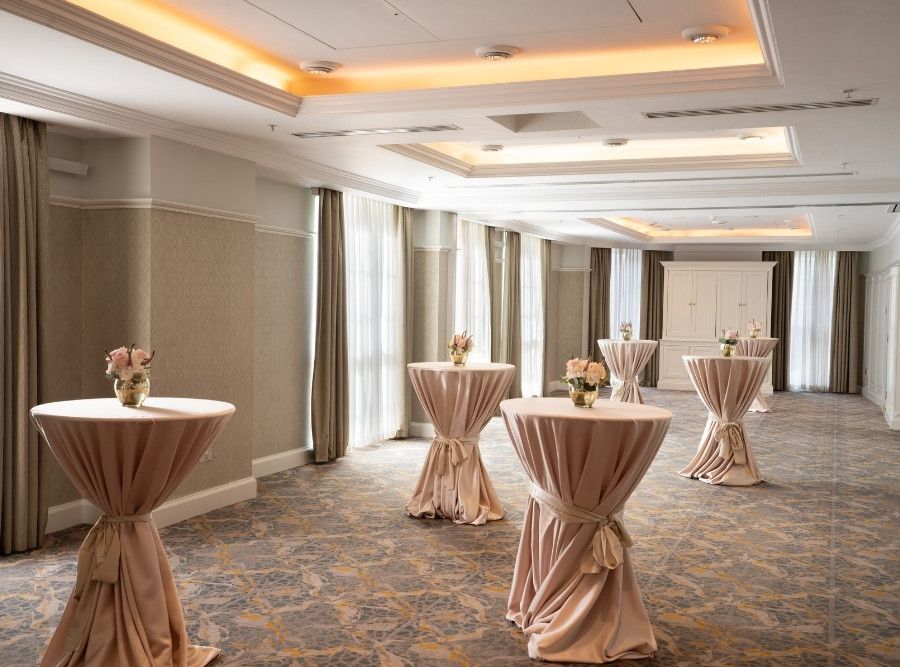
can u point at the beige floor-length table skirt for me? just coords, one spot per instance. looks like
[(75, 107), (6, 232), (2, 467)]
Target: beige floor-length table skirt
[(459, 401), (626, 359), (757, 347), (125, 608), (727, 386), (574, 591)]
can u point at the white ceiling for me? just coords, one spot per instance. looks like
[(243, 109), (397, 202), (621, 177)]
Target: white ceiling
[(849, 158)]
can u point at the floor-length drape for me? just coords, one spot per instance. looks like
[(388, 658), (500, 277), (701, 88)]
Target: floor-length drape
[(512, 311), (845, 348), (598, 300), (330, 419), (546, 277), (533, 315), (625, 290), (652, 286), (780, 323), (24, 207), (404, 220), (376, 340), (472, 311), (812, 301)]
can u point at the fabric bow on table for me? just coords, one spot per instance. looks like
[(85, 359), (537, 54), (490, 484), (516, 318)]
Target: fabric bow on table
[(452, 452), (731, 441), (609, 541), (619, 387)]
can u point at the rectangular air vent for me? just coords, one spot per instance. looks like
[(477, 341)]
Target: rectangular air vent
[(762, 108), (380, 130)]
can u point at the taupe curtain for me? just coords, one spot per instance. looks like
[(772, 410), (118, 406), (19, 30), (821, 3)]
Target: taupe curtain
[(494, 240), (504, 259), (24, 206), (598, 304), (652, 286), (780, 323), (845, 321), (545, 284), (330, 419), (404, 219)]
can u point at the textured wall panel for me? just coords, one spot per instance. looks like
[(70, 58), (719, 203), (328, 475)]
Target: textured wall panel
[(569, 317)]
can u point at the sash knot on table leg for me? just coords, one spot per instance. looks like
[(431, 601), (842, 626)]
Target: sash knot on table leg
[(731, 441), (452, 452), (609, 541), (98, 561)]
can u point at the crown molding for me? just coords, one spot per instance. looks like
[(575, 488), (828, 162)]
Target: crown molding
[(888, 236), (88, 108), (608, 225), (151, 203)]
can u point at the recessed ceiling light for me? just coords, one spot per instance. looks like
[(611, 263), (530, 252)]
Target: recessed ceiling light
[(615, 142), (497, 52), (750, 137), (705, 34), (319, 67), (492, 148)]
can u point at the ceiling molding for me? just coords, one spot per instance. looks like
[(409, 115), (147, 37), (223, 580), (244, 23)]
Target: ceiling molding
[(527, 228), (88, 108), (100, 31), (618, 229), (887, 237), (431, 157)]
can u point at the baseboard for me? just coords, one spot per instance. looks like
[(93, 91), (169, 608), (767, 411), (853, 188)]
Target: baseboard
[(421, 430), (82, 511), (292, 458)]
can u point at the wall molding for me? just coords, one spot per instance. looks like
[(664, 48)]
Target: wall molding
[(292, 458), (101, 31), (172, 511), (149, 202), (432, 248), (285, 231)]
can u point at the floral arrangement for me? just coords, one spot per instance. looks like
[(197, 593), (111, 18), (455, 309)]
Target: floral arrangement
[(625, 327), (584, 374), (729, 337), (461, 343), (128, 364), (754, 327)]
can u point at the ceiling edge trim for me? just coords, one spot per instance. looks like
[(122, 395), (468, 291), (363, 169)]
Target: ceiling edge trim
[(610, 226), (100, 31)]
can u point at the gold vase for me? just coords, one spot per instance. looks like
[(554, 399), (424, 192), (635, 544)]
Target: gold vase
[(626, 335), (727, 350), (459, 358), (582, 399), (132, 393), (754, 334)]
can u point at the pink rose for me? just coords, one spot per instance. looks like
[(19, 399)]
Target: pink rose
[(138, 356), (119, 357)]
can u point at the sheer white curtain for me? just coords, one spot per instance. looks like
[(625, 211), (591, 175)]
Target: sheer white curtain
[(812, 301), (375, 344), (473, 299), (531, 280), (625, 290)]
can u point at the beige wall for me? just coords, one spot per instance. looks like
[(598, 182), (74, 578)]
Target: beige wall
[(569, 317), (431, 290)]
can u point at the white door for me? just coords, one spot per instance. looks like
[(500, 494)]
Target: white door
[(731, 301), (679, 297), (704, 304), (756, 299)]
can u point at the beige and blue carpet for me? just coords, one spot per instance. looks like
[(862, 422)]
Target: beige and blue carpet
[(324, 567)]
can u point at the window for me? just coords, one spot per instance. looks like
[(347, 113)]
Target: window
[(375, 320), (473, 306), (812, 303), (532, 289), (625, 290)]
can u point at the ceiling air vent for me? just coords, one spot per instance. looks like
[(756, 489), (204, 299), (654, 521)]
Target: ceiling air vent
[(762, 108), (380, 130)]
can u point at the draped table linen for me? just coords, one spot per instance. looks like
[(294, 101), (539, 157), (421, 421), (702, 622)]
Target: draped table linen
[(626, 360), (125, 608), (756, 347), (727, 387), (459, 401), (574, 592)]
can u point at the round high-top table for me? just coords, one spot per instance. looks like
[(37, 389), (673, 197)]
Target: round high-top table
[(459, 401), (626, 359), (727, 386), (574, 592), (125, 609), (757, 347)]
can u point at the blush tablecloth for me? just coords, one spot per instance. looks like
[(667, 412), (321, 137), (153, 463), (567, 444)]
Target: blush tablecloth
[(727, 386), (125, 608), (626, 359), (459, 401), (756, 347), (574, 592)]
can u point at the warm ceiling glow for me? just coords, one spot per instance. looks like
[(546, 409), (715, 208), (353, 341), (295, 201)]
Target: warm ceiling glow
[(773, 141), (798, 228)]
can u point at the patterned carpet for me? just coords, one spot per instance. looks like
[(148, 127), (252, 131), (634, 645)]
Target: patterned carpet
[(324, 568)]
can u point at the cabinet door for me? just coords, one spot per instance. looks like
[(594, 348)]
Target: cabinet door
[(679, 297), (705, 304), (671, 366), (756, 299), (731, 300)]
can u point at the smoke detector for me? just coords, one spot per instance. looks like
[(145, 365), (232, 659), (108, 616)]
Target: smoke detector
[(615, 142), (705, 34), (492, 148), (319, 67), (497, 52)]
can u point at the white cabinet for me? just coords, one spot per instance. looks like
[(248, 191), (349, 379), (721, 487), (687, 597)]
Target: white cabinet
[(701, 299)]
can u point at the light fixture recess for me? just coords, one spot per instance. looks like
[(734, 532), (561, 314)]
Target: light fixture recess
[(705, 34), (492, 148), (497, 52), (319, 67), (615, 142)]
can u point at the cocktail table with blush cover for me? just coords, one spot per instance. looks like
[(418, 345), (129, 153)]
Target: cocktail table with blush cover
[(626, 359), (756, 347)]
